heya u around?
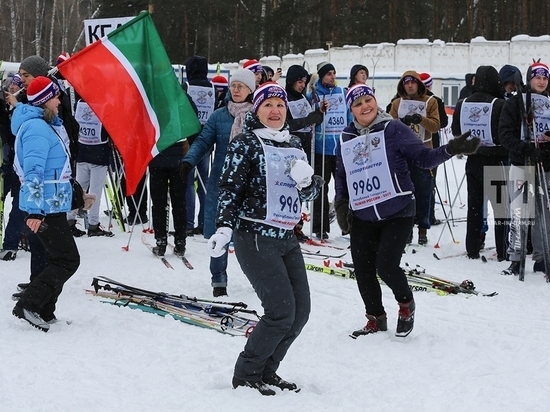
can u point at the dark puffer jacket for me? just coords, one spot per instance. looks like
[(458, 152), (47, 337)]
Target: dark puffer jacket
[(243, 189), (509, 129), (487, 87)]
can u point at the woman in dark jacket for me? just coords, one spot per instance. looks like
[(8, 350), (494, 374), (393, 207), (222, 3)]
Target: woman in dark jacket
[(375, 201), (522, 152), (264, 181)]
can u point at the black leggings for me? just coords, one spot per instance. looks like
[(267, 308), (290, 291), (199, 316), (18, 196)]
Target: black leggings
[(376, 248)]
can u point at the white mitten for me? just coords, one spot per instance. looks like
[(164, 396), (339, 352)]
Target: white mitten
[(301, 172), (216, 243)]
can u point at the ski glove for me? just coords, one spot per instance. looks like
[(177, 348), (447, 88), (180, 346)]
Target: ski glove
[(416, 118), (315, 118), (301, 172), (343, 215), (412, 119), (461, 144), (536, 155), (216, 243), (406, 119)]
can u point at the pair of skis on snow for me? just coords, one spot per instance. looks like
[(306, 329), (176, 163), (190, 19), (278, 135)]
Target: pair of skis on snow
[(162, 258), (231, 318), (419, 280)]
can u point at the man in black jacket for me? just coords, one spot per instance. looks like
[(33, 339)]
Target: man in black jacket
[(480, 113)]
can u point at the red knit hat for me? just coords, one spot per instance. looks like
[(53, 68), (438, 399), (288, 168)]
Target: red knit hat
[(41, 90), (220, 83), (426, 79), (253, 65)]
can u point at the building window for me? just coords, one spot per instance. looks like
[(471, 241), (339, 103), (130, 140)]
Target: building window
[(450, 94)]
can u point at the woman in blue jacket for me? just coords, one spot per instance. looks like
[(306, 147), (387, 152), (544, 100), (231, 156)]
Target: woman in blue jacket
[(221, 127), (42, 163)]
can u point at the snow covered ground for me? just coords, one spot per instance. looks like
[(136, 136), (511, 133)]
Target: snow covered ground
[(466, 353)]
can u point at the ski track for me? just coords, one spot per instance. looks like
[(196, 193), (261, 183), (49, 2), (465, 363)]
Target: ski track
[(466, 353)]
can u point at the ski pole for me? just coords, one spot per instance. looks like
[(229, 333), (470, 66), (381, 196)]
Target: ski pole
[(446, 219)]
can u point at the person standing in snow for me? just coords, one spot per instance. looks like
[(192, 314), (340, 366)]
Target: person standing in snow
[(203, 94), (42, 162), (301, 118), (480, 113), (330, 99), (375, 201), (265, 178), (537, 150), (224, 124), (419, 111)]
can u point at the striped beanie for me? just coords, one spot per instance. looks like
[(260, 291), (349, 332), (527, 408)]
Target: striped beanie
[(356, 91), (41, 90), (253, 65), (220, 83), (17, 81), (426, 79), (266, 91), (539, 69)]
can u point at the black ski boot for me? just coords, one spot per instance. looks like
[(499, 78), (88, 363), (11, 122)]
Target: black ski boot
[(74, 230), (374, 324), (513, 269), (405, 319), (160, 248), (8, 254), (260, 386), (219, 291), (22, 286), (95, 230), (32, 317), (179, 248), (276, 380)]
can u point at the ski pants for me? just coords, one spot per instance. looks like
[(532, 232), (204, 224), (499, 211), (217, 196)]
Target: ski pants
[(276, 270), (16, 226), (63, 261), (516, 178), (423, 192), (318, 215), (161, 181), (202, 171), (376, 248), (92, 179), (476, 206), (218, 269)]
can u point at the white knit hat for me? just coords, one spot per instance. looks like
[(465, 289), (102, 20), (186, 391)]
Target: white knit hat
[(246, 77)]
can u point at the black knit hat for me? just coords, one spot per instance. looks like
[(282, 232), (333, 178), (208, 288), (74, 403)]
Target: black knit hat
[(323, 68), (355, 69), (295, 73), (507, 73)]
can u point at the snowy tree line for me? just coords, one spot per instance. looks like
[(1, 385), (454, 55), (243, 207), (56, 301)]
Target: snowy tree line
[(230, 30)]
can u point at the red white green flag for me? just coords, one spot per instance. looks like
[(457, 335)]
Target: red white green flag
[(128, 81)]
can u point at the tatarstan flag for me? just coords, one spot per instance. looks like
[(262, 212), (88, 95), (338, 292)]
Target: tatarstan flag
[(128, 81)]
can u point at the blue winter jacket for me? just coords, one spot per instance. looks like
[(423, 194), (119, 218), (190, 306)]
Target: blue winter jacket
[(42, 156), (324, 93), (216, 132)]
